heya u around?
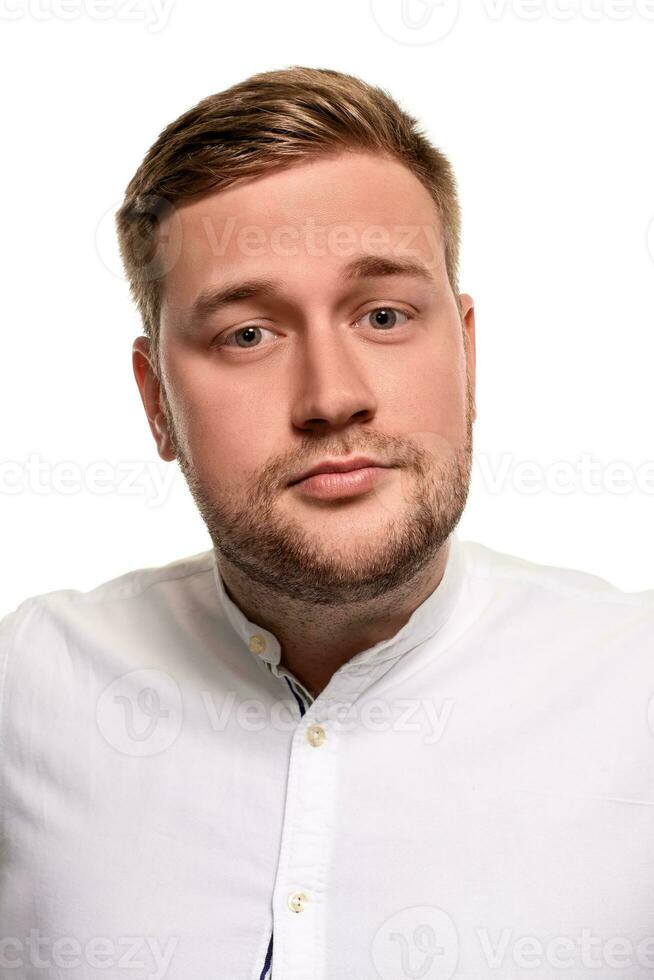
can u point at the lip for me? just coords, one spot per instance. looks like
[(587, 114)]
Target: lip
[(339, 465), (339, 485)]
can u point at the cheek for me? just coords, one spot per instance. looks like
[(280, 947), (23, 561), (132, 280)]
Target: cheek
[(430, 407), (428, 396), (226, 428)]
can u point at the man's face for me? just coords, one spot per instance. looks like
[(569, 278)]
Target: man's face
[(323, 364)]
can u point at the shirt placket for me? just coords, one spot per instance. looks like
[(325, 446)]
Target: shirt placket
[(297, 943)]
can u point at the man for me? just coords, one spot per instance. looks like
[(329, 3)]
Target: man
[(342, 742)]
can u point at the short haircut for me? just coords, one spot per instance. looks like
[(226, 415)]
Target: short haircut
[(270, 121)]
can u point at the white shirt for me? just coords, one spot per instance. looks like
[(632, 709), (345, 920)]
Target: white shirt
[(173, 800)]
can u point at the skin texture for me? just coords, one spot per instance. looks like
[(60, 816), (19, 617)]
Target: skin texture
[(322, 374)]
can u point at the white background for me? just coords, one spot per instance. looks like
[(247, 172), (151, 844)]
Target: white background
[(544, 108)]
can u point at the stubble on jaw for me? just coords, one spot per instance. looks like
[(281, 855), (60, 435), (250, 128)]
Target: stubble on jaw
[(279, 554)]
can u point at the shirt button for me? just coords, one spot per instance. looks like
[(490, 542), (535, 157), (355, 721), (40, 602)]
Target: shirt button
[(257, 643), (297, 901), (316, 735)]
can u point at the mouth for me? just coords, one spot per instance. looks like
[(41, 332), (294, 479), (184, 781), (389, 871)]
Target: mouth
[(339, 465), (345, 479)]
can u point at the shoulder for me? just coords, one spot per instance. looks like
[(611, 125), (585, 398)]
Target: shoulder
[(556, 599), (53, 620), (130, 586)]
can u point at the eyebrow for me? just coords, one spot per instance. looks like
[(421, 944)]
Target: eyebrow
[(363, 267)]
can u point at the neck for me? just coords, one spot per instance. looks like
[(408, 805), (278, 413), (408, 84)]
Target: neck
[(317, 639)]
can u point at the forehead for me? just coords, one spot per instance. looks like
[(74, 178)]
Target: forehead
[(309, 219)]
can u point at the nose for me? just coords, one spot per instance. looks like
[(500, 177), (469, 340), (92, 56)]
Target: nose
[(332, 389)]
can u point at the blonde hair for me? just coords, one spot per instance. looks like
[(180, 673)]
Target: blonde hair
[(271, 120)]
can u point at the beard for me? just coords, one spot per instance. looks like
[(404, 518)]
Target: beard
[(275, 550)]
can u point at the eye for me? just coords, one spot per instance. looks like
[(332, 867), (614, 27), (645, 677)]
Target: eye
[(385, 317), (244, 337)]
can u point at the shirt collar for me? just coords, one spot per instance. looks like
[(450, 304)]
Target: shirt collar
[(424, 622)]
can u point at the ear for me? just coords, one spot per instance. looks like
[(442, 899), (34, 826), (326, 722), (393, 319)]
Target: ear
[(150, 391), (468, 315)]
